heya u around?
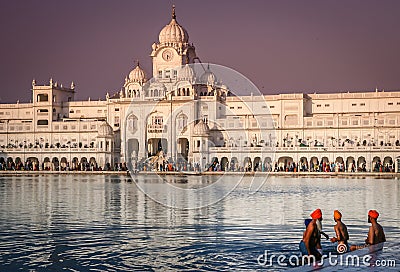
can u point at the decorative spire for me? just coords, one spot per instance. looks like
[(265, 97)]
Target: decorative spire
[(173, 12), (137, 63)]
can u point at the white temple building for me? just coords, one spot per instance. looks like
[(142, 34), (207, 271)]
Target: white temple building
[(196, 121)]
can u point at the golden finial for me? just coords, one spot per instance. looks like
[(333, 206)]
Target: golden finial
[(173, 12)]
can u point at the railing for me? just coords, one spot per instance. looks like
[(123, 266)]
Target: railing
[(305, 149), (43, 149), (153, 128)]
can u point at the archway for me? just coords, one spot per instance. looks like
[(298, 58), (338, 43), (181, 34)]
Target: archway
[(388, 164), (257, 164), (339, 164), (33, 163), (10, 163), (2, 164), (247, 165), (314, 164), (154, 145), (183, 148), (361, 164), (268, 164), (234, 164), (47, 164), (56, 164), (350, 164), (303, 164), (75, 163), (63, 163), (133, 149), (324, 160), (84, 163), (224, 164), (285, 163), (376, 164)]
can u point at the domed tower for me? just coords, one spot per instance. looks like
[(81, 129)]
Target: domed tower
[(172, 49), (105, 144), (134, 82), (200, 137)]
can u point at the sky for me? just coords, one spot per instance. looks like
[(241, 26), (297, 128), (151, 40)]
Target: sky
[(282, 46)]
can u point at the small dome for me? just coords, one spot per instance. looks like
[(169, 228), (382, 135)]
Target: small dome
[(137, 74), (208, 77), (105, 129), (186, 73), (201, 129), (173, 32)]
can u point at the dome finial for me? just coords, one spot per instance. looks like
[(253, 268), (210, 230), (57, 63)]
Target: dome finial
[(173, 12), (137, 62)]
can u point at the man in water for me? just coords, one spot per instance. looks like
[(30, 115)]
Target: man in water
[(312, 237), (376, 234), (340, 229)]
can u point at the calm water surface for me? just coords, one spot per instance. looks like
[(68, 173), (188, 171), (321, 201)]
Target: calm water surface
[(105, 223)]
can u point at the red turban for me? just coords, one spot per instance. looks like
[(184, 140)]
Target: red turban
[(317, 214), (373, 214)]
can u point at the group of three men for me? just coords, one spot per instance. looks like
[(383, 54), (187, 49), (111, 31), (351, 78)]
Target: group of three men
[(311, 242)]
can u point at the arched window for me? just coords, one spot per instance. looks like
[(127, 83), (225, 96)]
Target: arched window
[(132, 122), (181, 121)]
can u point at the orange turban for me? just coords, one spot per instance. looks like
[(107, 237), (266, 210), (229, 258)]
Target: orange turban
[(373, 214), (337, 215), (317, 214)]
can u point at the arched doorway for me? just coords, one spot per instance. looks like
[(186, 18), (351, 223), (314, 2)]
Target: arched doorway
[(47, 164), (183, 148), (154, 145), (56, 164), (314, 164), (350, 164), (376, 164), (303, 164), (224, 164), (63, 163), (32, 163), (361, 164), (133, 149), (268, 164), (388, 164), (247, 165), (285, 163), (84, 164), (234, 164), (257, 164)]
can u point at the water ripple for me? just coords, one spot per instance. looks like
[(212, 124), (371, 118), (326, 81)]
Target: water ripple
[(92, 223)]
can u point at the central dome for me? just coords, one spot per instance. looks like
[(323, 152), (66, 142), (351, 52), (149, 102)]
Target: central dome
[(173, 32)]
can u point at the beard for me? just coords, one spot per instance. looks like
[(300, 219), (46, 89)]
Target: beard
[(319, 225)]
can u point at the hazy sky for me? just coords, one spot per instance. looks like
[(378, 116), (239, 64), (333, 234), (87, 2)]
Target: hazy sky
[(282, 46)]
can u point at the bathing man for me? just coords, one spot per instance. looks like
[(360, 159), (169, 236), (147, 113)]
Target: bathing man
[(376, 234), (312, 237), (340, 229)]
